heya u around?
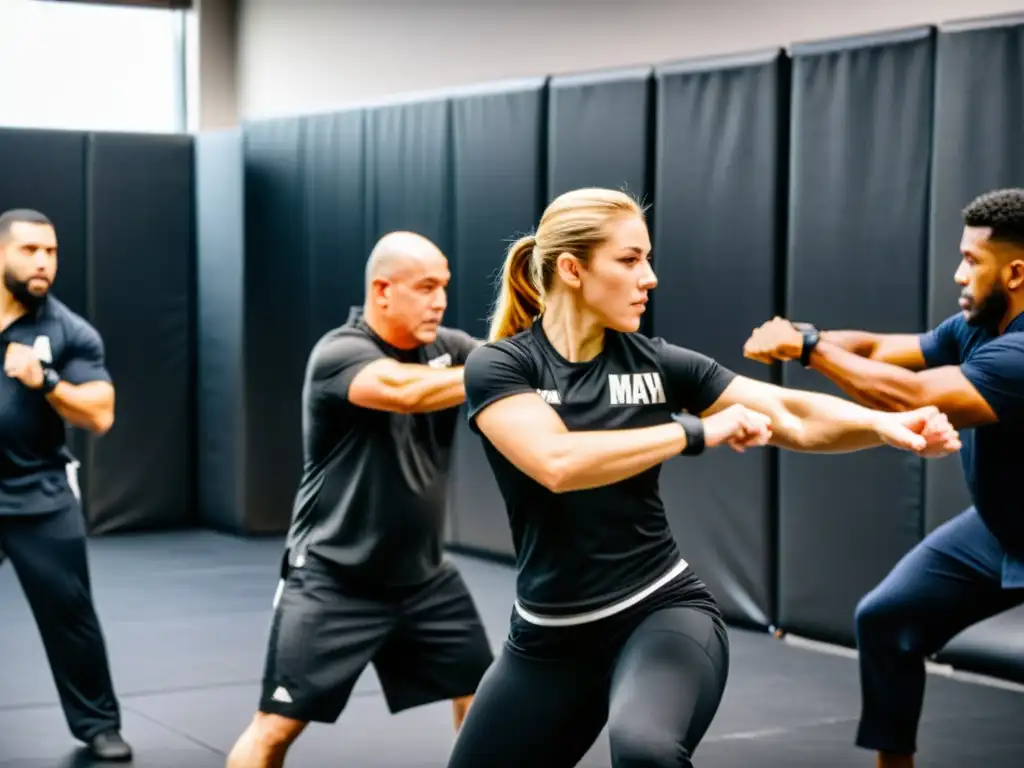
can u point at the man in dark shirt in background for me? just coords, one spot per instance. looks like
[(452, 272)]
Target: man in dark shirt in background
[(364, 578), (971, 366), (54, 373)]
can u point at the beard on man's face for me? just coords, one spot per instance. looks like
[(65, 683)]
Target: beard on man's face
[(989, 311), (28, 297)]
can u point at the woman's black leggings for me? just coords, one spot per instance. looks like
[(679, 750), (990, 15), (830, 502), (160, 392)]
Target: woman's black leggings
[(658, 690)]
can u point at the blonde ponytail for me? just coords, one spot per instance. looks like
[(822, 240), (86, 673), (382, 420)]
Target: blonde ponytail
[(575, 223), (519, 298)]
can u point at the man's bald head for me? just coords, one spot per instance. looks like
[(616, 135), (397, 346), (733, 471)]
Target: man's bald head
[(406, 289), (397, 253)]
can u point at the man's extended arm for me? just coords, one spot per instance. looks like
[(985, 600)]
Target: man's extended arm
[(902, 349), (871, 382), (891, 388), (886, 372), (388, 385), (355, 369), (779, 339)]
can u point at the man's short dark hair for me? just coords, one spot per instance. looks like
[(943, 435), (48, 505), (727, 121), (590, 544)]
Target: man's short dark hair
[(20, 215), (1002, 210)]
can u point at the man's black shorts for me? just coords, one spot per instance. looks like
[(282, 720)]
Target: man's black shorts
[(427, 644)]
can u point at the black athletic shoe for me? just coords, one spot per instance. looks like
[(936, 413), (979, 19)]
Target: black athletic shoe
[(110, 746)]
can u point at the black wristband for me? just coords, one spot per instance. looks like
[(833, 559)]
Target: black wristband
[(693, 427), (811, 337), (50, 380)]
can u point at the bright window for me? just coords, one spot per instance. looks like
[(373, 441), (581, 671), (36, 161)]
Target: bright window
[(90, 67)]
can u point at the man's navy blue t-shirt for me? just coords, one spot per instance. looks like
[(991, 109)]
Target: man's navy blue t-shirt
[(33, 449), (992, 455)]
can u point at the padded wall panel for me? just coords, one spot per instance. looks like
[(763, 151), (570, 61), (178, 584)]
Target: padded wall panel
[(718, 239), (336, 248), (408, 174), (141, 260), (599, 132), (276, 329), (498, 166), (299, 268), (979, 146), (45, 170), (220, 255), (857, 255)]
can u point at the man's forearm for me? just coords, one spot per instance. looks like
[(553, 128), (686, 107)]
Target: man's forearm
[(425, 389), (447, 391), (861, 343), (872, 383), (86, 406)]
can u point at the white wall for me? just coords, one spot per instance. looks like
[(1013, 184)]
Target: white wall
[(301, 56)]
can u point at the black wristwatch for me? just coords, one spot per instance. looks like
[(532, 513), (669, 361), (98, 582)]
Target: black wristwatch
[(811, 338), (50, 380), (693, 427)]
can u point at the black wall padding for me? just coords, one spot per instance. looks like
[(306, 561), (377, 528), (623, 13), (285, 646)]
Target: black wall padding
[(408, 173), (220, 249), (141, 259), (336, 248), (600, 128), (718, 239), (979, 146), (276, 325), (45, 170), (498, 191), (857, 255)]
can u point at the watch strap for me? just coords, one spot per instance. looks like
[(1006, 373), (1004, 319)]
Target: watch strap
[(693, 427), (811, 338), (50, 380)]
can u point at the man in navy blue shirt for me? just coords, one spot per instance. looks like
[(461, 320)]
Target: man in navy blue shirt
[(54, 374), (971, 366)]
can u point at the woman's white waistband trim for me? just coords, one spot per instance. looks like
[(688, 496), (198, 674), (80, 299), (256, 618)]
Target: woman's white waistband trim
[(606, 611)]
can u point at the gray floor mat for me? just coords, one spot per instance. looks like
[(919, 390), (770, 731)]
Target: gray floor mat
[(186, 618)]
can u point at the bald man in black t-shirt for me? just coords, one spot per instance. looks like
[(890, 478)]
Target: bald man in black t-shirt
[(364, 577)]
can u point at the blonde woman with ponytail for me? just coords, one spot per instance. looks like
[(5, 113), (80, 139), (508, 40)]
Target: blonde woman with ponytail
[(577, 411)]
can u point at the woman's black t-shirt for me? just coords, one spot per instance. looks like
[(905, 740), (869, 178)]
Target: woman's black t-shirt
[(582, 550)]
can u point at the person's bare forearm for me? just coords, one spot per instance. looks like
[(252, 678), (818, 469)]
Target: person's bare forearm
[(425, 389), (902, 349), (445, 393), (861, 343), (86, 406), (820, 423), (870, 382), (578, 460)]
